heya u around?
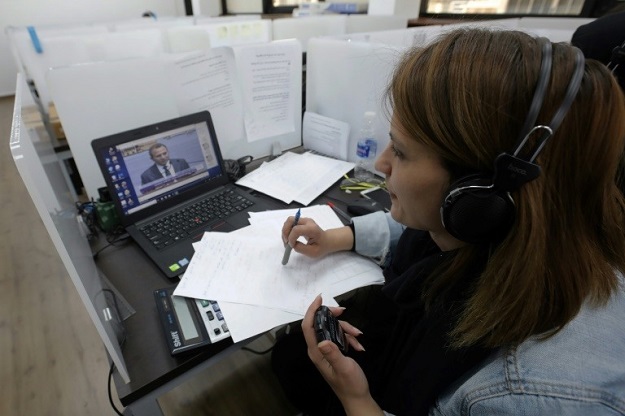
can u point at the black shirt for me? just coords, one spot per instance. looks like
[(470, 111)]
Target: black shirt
[(417, 363)]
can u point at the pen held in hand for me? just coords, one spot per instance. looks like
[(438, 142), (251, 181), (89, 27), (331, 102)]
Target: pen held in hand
[(288, 248)]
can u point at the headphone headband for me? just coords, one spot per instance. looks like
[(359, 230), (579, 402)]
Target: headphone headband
[(539, 92), (479, 208), (511, 170)]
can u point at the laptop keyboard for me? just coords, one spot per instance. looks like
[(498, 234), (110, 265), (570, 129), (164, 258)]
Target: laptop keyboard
[(168, 230)]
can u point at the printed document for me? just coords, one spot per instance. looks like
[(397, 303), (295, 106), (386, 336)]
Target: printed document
[(268, 81)]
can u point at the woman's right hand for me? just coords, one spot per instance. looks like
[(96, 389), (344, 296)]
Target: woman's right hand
[(318, 242), (342, 373)]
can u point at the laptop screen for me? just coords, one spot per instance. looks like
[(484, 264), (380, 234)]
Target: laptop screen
[(158, 166)]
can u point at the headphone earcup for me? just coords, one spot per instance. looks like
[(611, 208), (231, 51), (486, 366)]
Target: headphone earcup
[(474, 212)]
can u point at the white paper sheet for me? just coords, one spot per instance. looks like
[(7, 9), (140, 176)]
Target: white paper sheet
[(245, 321), (243, 270), (268, 81), (325, 135), (208, 81), (296, 177)]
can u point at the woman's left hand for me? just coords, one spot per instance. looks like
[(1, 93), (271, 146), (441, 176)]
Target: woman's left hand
[(342, 373)]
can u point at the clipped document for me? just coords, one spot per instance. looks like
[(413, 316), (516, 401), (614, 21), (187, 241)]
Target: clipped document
[(325, 135)]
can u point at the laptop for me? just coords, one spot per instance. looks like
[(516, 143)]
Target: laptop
[(169, 185)]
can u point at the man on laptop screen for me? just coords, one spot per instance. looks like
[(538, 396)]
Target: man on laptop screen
[(163, 166)]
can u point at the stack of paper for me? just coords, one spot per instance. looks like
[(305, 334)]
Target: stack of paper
[(296, 177), (242, 270)]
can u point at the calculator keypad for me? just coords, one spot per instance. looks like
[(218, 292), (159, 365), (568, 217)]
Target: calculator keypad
[(213, 319)]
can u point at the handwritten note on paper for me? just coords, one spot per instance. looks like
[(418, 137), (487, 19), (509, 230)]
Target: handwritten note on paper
[(206, 81), (269, 74), (249, 271), (325, 135), (245, 267), (245, 321), (325, 170), (268, 178)]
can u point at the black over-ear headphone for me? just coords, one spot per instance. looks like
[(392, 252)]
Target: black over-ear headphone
[(478, 208)]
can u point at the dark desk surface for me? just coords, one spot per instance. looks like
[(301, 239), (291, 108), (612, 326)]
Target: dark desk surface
[(145, 351)]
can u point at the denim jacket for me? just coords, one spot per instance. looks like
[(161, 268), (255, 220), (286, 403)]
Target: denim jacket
[(578, 371), (376, 235)]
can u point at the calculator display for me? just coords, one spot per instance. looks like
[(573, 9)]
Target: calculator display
[(181, 321), (187, 325)]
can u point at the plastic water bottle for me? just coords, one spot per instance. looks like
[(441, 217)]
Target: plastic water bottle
[(366, 149)]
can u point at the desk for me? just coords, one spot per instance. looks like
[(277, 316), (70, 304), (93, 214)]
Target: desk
[(153, 371)]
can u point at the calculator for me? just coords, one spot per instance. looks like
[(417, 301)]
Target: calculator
[(189, 323)]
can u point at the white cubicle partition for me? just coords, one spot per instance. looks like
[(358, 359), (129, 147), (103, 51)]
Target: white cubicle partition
[(63, 45), (353, 84), (39, 169), (361, 67), (149, 23), (93, 44), (240, 32), (32, 62), (397, 37), (215, 33), (305, 28), (187, 38), (420, 35), (356, 23), (99, 99), (362, 64), (200, 20), (308, 27), (22, 44)]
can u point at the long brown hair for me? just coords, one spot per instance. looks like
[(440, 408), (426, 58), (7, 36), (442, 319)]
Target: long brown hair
[(466, 96)]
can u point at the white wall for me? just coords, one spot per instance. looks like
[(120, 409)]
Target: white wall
[(52, 12)]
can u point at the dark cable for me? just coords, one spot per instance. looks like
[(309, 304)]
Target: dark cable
[(121, 345), (113, 243), (110, 393), (235, 169), (87, 212)]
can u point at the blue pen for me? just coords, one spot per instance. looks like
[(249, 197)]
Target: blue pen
[(288, 248)]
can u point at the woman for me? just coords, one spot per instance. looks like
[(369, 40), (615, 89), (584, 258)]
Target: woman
[(526, 316)]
